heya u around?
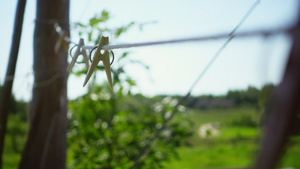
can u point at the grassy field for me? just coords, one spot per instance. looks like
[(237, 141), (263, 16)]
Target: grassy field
[(14, 142), (235, 146)]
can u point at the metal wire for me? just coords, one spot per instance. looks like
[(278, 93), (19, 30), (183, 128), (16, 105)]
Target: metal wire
[(72, 55)]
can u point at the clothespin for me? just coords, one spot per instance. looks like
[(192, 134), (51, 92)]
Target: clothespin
[(100, 56), (85, 57), (63, 38), (79, 51)]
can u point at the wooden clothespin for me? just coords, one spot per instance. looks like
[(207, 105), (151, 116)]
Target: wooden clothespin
[(79, 51), (100, 56), (63, 38)]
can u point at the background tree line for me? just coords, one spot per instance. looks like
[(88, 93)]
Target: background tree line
[(252, 96)]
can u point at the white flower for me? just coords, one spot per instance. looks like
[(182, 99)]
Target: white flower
[(158, 126), (93, 96), (104, 96), (158, 107), (168, 115), (104, 125), (167, 100), (173, 102), (181, 108), (166, 133)]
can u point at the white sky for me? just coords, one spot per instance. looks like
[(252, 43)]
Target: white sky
[(173, 68)]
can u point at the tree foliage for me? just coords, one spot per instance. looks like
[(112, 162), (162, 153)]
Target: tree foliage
[(249, 96), (114, 129), (16, 129)]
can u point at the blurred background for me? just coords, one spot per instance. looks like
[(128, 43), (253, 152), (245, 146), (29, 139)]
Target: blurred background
[(218, 126)]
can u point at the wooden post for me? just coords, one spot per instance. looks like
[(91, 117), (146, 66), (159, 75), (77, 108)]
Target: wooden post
[(283, 110), (46, 143), (10, 72)]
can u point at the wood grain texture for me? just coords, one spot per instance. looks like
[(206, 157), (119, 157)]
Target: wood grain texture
[(46, 142)]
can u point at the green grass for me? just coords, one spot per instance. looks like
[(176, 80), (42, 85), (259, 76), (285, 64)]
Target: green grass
[(213, 156), (292, 156), (225, 115), (10, 158), (13, 149), (236, 146)]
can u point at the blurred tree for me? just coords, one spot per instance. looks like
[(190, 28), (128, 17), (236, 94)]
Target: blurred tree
[(265, 95), (113, 129), (6, 93), (17, 117), (249, 96)]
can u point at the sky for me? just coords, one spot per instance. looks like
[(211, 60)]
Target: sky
[(173, 67)]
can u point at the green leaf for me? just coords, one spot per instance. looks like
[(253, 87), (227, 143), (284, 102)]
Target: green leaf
[(118, 32), (122, 29), (80, 24), (124, 55), (90, 36), (105, 15), (120, 92), (130, 82), (95, 21), (140, 63)]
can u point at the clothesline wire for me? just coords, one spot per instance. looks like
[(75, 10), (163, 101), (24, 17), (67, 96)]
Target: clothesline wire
[(38, 84), (203, 38), (245, 17), (192, 39)]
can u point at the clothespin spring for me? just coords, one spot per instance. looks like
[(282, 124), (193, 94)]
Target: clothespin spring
[(72, 54), (102, 67)]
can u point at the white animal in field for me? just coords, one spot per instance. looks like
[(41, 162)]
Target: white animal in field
[(209, 130)]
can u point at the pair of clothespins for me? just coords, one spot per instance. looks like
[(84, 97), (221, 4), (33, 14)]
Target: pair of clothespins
[(79, 51), (63, 38), (100, 55)]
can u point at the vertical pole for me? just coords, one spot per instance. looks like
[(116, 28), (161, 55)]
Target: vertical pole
[(6, 93), (46, 143), (283, 109)]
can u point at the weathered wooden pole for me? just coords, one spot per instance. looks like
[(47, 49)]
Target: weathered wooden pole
[(46, 142), (6, 93), (283, 109)]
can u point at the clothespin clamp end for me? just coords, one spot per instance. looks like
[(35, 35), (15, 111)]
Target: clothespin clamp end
[(78, 51), (100, 55), (61, 41), (63, 38)]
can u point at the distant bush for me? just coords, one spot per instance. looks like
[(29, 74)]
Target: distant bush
[(113, 133), (245, 120), (265, 95), (249, 96)]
